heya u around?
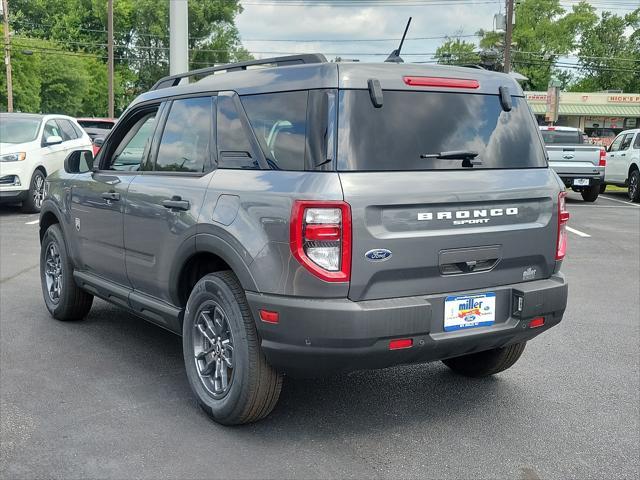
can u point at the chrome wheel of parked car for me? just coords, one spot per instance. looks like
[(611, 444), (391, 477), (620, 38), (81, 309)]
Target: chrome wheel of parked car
[(53, 272), (634, 186), (35, 196), (38, 191), (213, 349)]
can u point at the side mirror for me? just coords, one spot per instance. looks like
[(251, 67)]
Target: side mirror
[(98, 141), (52, 140), (79, 161)]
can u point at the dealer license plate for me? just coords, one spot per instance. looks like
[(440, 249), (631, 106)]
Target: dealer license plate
[(469, 311), (581, 182)]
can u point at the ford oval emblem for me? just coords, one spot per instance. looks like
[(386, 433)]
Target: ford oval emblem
[(378, 254)]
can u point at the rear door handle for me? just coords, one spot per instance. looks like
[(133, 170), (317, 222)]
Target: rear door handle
[(623, 154), (115, 196), (176, 203)]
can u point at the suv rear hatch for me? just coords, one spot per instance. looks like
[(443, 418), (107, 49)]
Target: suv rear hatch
[(425, 225)]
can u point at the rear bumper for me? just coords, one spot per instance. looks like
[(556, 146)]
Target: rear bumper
[(569, 173), (319, 337)]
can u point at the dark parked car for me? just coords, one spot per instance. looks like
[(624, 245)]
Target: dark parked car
[(311, 218)]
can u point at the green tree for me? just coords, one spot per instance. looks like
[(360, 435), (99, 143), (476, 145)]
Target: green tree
[(610, 59), (457, 52), (543, 32), (141, 39)]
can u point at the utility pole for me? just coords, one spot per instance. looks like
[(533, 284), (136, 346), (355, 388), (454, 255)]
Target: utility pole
[(507, 37), (111, 113), (7, 55), (178, 36)]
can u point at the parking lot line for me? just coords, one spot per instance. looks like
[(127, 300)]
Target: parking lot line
[(578, 232), (620, 201), (33, 222)]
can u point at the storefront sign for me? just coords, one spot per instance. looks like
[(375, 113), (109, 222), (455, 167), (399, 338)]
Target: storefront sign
[(623, 99)]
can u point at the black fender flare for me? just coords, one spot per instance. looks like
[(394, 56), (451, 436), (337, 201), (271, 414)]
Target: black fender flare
[(207, 243)]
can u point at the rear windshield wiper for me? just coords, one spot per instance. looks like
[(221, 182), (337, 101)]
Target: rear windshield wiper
[(467, 157)]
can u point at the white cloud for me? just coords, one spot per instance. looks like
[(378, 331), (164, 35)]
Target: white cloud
[(336, 23), (325, 22)]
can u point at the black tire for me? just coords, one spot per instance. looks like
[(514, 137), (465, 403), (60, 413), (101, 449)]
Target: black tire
[(253, 386), (70, 303), (35, 195), (603, 187), (490, 362), (634, 186), (590, 194)]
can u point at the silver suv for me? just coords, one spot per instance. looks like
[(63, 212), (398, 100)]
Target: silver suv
[(309, 218)]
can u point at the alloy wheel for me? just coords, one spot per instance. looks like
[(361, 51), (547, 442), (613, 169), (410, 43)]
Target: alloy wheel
[(213, 349), (38, 191), (53, 272), (633, 186)]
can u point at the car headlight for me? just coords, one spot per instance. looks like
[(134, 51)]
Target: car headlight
[(13, 157)]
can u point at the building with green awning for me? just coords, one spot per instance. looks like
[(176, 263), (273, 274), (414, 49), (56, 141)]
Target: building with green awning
[(600, 115)]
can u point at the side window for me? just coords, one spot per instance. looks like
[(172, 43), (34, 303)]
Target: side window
[(615, 146), (626, 141), (68, 133), (279, 122), (51, 129), (234, 148), (186, 139), (636, 144), (133, 147)]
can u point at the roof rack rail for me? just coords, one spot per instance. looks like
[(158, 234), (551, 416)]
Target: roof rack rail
[(173, 80)]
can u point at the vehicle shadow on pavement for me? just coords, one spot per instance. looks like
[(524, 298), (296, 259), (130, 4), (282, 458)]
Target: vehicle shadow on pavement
[(361, 401)]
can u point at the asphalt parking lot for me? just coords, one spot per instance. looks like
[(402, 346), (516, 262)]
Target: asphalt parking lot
[(108, 397)]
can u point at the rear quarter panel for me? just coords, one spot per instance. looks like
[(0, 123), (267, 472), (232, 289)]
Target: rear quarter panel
[(250, 210)]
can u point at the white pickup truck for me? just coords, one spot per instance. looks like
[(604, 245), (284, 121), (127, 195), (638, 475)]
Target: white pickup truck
[(623, 163), (580, 165)]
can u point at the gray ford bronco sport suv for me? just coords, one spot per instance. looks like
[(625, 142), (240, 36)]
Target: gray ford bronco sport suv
[(312, 218)]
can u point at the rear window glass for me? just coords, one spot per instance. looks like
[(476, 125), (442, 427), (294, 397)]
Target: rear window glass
[(558, 137), (96, 124), (412, 124), (279, 122)]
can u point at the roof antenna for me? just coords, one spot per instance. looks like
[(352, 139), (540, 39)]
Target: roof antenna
[(394, 57)]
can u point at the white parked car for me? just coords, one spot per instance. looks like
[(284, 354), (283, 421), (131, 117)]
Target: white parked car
[(623, 163), (31, 147)]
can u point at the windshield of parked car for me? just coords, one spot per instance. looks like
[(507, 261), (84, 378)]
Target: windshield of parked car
[(423, 130), (18, 129), (562, 137)]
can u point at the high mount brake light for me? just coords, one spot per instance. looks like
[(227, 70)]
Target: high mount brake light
[(603, 158), (563, 219), (320, 238), (441, 82)]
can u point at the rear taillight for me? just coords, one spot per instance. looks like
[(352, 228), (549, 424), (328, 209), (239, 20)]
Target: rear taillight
[(563, 219), (320, 238), (603, 158)]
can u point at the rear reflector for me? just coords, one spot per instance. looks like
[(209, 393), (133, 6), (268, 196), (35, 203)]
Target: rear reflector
[(269, 316), (441, 82), (400, 343), (536, 322)]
